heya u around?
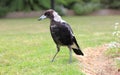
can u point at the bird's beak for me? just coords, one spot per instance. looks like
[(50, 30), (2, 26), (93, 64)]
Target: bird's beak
[(42, 17)]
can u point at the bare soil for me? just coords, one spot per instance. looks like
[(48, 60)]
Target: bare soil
[(95, 62), (106, 12), (102, 12)]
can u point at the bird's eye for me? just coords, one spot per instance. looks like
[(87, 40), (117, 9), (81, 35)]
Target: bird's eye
[(47, 14)]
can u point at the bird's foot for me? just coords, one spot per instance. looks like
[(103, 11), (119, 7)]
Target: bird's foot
[(70, 61), (52, 60)]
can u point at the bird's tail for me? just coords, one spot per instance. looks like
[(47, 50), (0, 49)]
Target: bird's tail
[(76, 47), (78, 51)]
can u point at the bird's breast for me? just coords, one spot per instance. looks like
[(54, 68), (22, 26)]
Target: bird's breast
[(61, 35)]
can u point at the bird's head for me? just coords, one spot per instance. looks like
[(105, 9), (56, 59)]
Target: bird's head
[(47, 14), (51, 14)]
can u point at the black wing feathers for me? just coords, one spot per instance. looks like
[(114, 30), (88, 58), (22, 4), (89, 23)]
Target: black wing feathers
[(77, 50), (63, 35)]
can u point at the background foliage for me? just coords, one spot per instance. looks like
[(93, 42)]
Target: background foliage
[(80, 7)]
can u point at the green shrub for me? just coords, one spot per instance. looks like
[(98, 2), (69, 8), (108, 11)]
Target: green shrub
[(82, 9), (78, 9), (3, 11), (44, 4), (61, 10), (115, 4)]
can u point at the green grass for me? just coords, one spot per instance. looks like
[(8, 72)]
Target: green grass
[(26, 46), (118, 63)]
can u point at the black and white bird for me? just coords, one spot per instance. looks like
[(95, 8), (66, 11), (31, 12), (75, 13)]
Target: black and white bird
[(61, 33)]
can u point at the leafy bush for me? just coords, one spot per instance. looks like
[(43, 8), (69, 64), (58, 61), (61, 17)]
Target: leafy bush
[(81, 9), (23, 5), (3, 11), (114, 4), (44, 4), (78, 9), (61, 10), (26, 5)]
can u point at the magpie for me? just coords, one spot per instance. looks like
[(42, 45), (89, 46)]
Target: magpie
[(61, 33)]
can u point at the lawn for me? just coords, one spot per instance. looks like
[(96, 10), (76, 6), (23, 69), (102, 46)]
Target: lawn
[(26, 46)]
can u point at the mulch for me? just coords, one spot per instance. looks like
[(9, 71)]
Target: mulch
[(102, 12), (95, 62)]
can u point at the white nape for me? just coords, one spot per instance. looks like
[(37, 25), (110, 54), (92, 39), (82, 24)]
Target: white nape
[(57, 17)]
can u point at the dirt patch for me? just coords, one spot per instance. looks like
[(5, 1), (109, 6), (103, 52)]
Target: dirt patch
[(96, 63), (101, 12), (106, 12), (24, 14)]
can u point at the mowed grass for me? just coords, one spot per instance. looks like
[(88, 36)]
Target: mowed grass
[(26, 46)]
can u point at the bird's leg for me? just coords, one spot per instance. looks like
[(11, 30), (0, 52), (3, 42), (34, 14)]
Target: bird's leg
[(70, 59), (58, 49)]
